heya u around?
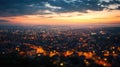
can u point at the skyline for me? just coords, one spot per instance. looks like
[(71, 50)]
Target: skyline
[(59, 12)]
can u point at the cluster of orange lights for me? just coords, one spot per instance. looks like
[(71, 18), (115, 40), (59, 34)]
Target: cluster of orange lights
[(88, 55), (68, 53), (104, 63)]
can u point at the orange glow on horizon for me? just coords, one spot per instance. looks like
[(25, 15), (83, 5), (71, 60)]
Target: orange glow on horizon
[(99, 17)]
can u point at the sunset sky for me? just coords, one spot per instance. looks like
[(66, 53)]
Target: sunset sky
[(59, 12)]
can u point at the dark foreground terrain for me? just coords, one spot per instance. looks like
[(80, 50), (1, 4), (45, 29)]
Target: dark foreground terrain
[(46, 46)]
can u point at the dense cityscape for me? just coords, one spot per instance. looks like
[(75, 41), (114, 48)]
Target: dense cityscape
[(59, 46)]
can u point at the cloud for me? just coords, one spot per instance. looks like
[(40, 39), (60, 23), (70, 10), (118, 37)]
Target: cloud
[(114, 6), (117, 16), (105, 1), (48, 5), (44, 12), (32, 7), (3, 21), (70, 1)]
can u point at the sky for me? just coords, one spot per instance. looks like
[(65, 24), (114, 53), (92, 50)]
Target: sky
[(59, 12)]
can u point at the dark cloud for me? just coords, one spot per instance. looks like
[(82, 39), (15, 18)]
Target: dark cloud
[(29, 7), (2, 21), (117, 16)]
